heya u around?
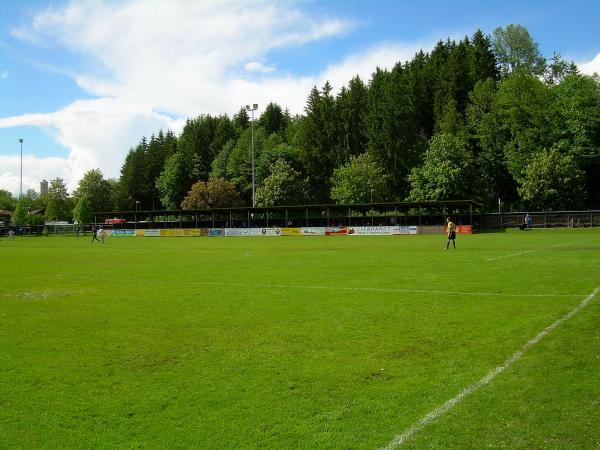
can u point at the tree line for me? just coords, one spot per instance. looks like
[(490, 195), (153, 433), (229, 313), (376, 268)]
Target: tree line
[(484, 118)]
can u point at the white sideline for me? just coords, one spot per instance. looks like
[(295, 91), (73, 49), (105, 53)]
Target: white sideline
[(441, 410), (527, 251), (369, 289)]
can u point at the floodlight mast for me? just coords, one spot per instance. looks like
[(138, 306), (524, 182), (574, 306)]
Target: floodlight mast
[(21, 182), (252, 109)]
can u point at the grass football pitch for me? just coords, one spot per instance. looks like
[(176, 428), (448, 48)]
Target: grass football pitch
[(301, 342)]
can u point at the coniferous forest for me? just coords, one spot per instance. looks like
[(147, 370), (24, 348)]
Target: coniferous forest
[(484, 118)]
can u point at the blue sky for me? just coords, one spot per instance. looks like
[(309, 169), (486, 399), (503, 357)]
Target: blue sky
[(82, 81)]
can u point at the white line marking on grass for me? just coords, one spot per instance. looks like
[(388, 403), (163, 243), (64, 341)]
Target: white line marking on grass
[(36, 295), (527, 251), (565, 261), (443, 409), (368, 289)]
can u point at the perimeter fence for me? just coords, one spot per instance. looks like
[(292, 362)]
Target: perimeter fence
[(426, 215), (544, 219)]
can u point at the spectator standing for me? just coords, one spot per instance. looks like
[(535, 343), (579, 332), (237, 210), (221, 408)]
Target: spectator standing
[(528, 221)]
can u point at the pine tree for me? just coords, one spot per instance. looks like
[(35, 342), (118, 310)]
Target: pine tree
[(392, 128), (241, 121), (351, 104), (482, 62), (133, 182), (273, 119), (317, 140)]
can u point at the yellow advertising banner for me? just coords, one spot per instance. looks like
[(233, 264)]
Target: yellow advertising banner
[(290, 231), (139, 233), (182, 232), (174, 232), (192, 232)]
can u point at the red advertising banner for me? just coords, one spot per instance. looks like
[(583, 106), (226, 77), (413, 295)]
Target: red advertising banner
[(461, 229), (336, 231)]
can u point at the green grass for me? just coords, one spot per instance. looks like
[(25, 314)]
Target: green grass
[(298, 342)]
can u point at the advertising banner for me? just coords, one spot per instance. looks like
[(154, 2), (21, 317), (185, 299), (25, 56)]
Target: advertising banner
[(216, 232), (461, 229), (275, 231), (123, 233), (290, 231), (312, 231), (336, 231), (370, 231), (171, 232), (192, 232), (270, 231), (243, 231), (464, 229), (383, 230), (404, 229), (237, 232)]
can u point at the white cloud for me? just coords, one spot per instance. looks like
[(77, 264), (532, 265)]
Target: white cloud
[(98, 133), (174, 60), (4, 73), (34, 170), (364, 64), (590, 67), (179, 57), (258, 67)]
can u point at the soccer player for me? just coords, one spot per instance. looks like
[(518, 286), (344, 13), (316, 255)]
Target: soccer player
[(101, 234), (451, 233), (94, 234)]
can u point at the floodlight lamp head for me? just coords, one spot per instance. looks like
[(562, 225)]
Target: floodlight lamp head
[(20, 141), (255, 106), (247, 107)]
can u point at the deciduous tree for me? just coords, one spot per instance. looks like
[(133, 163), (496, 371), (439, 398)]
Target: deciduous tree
[(284, 186), (172, 182), (59, 206), (359, 181), (19, 217), (214, 193), (83, 211), (7, 201), (552, 180), (97, 190), (447, 172), (516, 50)]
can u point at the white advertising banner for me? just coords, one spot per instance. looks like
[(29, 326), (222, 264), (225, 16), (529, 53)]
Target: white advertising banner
[(252, 232), (312, 231), (151, 233), (270, 231), (255, 231), (381, 230), (237, 232), (404, 229)]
